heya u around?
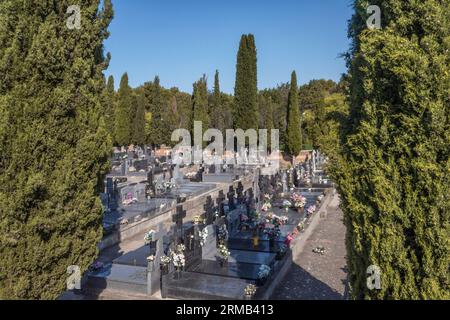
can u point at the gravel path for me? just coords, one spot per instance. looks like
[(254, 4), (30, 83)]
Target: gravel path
[(314, 276)]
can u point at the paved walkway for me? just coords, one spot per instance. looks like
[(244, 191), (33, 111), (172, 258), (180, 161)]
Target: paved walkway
[(319, 277)]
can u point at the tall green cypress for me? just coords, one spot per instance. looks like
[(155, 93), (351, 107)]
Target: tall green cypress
[(124, 114), (110, 101), (138, 126), (217, 113), (200, 103), (54, 146), (245, 113), (293, 129), (395, 174), (157, 110)]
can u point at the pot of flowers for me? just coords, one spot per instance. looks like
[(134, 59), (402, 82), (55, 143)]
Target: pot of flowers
[(164, 265), (178, 260), (249, 291), (281, 252), (263, 275), (222, 255)]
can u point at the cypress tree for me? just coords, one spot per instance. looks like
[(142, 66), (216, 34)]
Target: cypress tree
[(293, 133), (124, 114), (394, 178), (200, 103), (139, 120), (157, 109), (217, 113), (54, 146), (245, 115), (110, 96)]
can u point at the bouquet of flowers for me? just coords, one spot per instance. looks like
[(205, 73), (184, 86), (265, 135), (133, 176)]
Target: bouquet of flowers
[(298, 200), (311, 209), (320, 198), (179, 260), (267, 197), (203, 236), (266, 206), (263, 272), (149, 236), (165, 260), (273, 233), (197, 220), (250, 290), (223, 233), (286, 204), (223, 252), (180, 248)]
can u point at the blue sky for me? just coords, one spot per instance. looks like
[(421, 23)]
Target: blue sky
[(180, 40)]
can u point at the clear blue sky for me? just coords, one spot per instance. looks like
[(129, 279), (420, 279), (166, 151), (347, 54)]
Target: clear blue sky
[(180, 40)]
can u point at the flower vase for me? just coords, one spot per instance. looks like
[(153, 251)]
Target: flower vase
[(178, 274)]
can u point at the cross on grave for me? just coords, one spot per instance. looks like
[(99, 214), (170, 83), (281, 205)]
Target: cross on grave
[(240, 193), (178, 219), (220, 199), (153, 267), (230, 196), (209, 210)]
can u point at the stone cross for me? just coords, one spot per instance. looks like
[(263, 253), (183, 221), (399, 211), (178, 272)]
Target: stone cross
[(153, 267), (230, 196), (240, 193), (220, 199), (209, 210), (178, 219)]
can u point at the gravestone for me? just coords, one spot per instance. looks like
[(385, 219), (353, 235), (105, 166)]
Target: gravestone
[(209, 248), (240, 193), (193, 251), (153, 267)]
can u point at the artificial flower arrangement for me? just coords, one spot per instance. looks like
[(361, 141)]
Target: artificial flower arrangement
[(197, 220), (320, 198), (286, 204), (266, 206), (298, 200), (223, 233), (178, 257), (223, 252), (250, 290), (277, 220), (273, 233), (267, 197), (165, 260), (203, 235), (311, 209), (148, 238), (151, 258), (263, 272)]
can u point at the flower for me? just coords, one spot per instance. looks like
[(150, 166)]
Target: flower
[(151, 258), (165, 260), (149, 236), (264, 271), (197, 220), (223, 252), (311, 209), (203, 236), (299, 200), (250, 290)]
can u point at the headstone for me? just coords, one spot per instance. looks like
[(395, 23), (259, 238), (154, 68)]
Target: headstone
[(240, 193), (153, 267), (209, 248), (220, 199), (209, 210)]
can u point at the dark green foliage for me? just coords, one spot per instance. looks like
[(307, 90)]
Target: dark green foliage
[(124, 114), (109, 106), (245, 113), (293, 131), (218, 112), (54, 145), (200, 103), (394, 175), (138, 125)]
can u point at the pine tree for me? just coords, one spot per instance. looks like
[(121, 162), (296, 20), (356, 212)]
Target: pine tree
[(124, 114), (395, 173), (245, 114), (293, 130), (139, 120), (54, 146)]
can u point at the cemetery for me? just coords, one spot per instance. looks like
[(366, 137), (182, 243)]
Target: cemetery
[(208, 232)]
